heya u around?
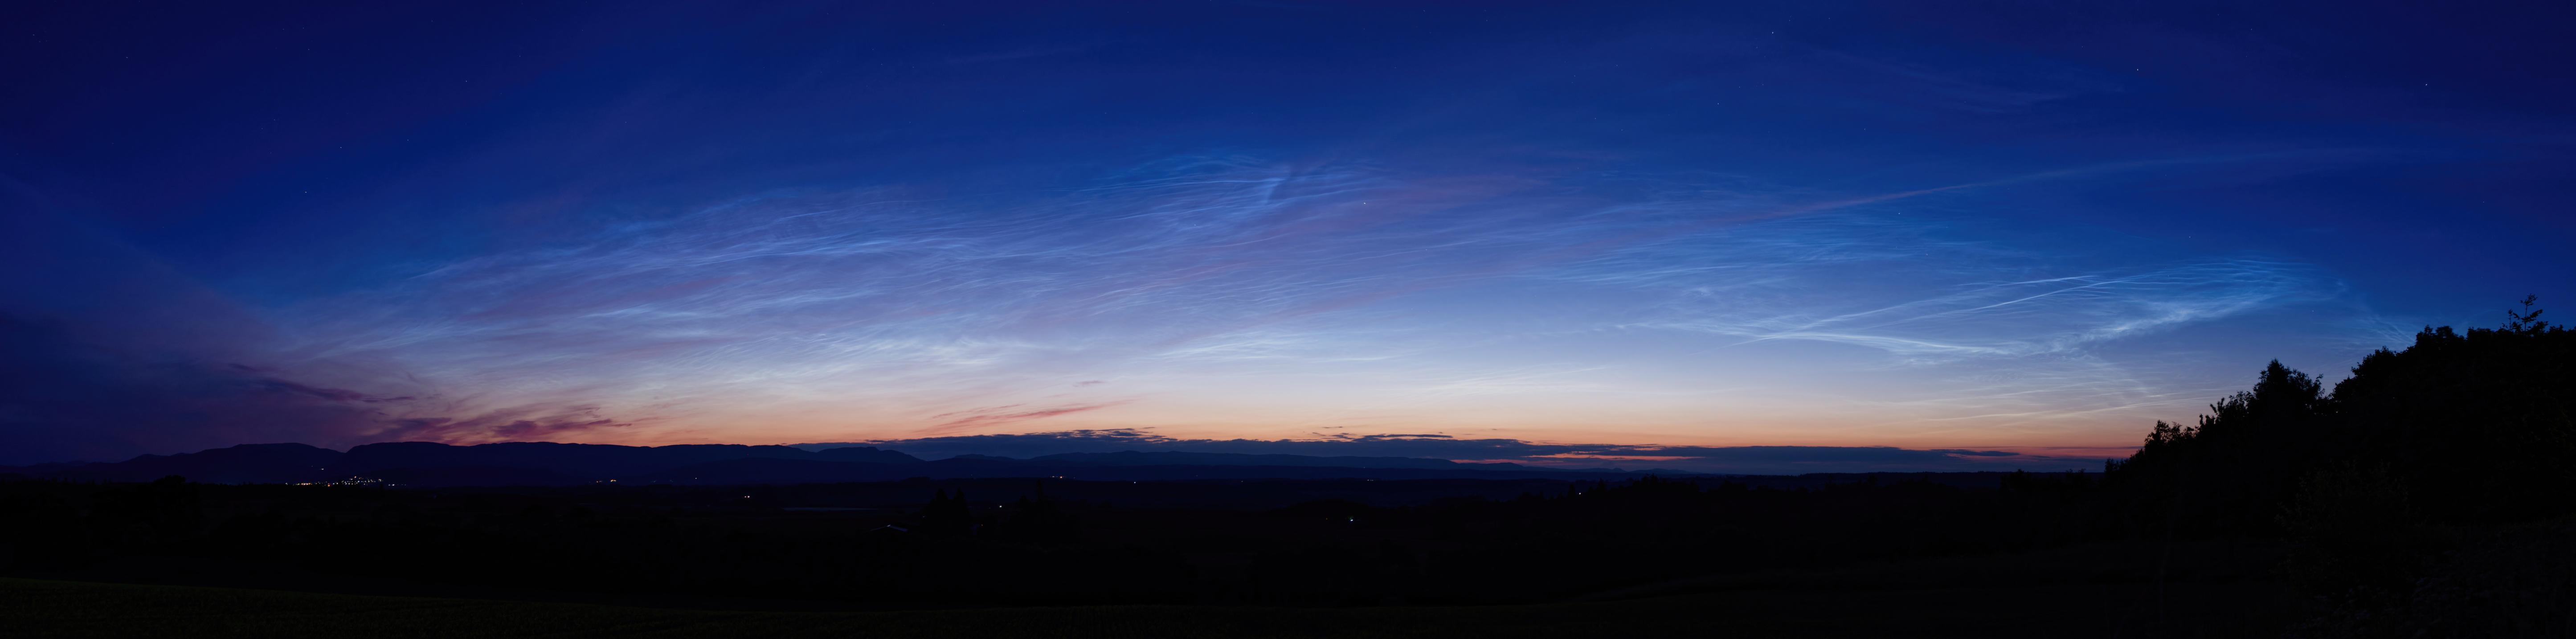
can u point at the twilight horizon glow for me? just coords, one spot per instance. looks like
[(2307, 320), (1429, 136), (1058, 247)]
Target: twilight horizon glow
[(1631, 236)]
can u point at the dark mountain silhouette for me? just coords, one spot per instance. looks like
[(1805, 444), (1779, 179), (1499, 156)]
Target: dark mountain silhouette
[(586, 461), (780, 471), (798, 471), (430, 463), (547, 464), (246, 463), (865, 454), (2424, 495), (473, 476), (1136, 458)]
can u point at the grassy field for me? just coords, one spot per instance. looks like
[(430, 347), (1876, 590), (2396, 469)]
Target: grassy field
[(1916, 601)]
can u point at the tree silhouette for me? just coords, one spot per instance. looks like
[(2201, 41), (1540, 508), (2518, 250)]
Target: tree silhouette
[(2472, 422)]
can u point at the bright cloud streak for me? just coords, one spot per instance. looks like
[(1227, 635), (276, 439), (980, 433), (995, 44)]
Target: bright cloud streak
[(1336, 292), (1594, 231)]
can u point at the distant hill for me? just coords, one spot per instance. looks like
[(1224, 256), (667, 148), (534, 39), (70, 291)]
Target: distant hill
[(585, 461), (1135, 458), (435, 464), (777, 471), (243, 464), (546, 463)]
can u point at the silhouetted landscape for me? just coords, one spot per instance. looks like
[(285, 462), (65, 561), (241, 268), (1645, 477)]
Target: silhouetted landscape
[(2420, 495), (427, 464), (1287, 318)]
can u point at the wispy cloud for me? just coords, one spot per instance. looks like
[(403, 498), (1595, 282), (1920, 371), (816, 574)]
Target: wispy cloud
[(2045, 315), (525, 423), (1004, 415), (1423, 299), (1249, 267)]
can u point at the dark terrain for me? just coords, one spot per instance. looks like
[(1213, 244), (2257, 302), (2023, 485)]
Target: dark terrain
[(2422, 496)]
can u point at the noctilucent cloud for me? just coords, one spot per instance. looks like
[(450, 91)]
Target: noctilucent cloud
[(1585, 234)]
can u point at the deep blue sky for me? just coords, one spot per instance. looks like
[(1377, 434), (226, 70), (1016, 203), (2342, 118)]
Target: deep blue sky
[(1584, 229)]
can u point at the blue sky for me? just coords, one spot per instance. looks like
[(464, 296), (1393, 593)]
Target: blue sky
[(2027, 229)]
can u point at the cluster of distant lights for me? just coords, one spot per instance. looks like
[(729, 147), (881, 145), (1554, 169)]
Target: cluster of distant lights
[(351, 481)]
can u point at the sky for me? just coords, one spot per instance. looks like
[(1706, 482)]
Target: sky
[(1710, 236)]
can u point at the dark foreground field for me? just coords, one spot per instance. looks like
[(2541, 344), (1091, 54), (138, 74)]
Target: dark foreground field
[(2093, 591), (2426, 496)]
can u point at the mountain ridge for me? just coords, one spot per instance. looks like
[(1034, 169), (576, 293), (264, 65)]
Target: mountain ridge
[(555, 463)]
